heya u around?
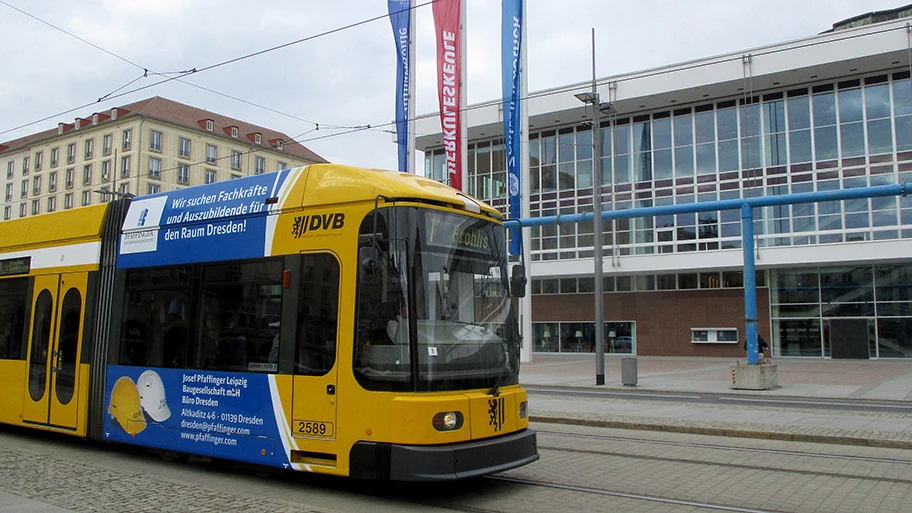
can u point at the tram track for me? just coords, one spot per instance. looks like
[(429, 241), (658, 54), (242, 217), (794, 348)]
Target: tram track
[(632, 496), (726, 447)]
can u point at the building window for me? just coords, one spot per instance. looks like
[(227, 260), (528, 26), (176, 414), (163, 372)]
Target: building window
[(153, 188), (52, 203), (234, 132), (52, 182), (235, 160), (107, 143), (25, 166), (125, 167), (210, 125), (36, 185), (211, 153), (23, 192), (257, 138), (127, 139), (155, 140), (714, 335), (87, 174), (280, 144), (36, 207), (210, 176), (71, 153), (183, 173), (68, 201), (55, 156), (154, 167), (70, 178), (124, 188), (281, 165), (39, 156), (260, 166), (23, 209), (89, 148), (9, 192), (86, 198), (9, 169), (183, 145), (106, 170), (7, 213)]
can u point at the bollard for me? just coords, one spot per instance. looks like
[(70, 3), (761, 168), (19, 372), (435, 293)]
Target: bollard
[(629, 372)]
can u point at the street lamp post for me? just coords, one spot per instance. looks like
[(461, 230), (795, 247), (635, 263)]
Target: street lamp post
[(592, 98)]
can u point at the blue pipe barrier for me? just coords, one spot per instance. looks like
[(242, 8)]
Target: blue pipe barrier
[(746, 205)]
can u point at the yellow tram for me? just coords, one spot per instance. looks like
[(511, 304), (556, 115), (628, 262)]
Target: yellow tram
[(326, 319)]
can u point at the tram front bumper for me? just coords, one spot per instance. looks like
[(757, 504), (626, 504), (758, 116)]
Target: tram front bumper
[(444, 462)]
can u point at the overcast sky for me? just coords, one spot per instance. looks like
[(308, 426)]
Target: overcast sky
[(347, 78)]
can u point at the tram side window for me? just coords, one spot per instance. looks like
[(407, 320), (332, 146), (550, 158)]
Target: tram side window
[(241, 309), (13, 301), (318, 314), (158, 324)]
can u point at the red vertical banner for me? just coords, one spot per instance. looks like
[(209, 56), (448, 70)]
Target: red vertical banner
[(449, 71)]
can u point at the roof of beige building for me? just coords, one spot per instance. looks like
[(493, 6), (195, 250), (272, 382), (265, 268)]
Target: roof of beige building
[(176, 113)]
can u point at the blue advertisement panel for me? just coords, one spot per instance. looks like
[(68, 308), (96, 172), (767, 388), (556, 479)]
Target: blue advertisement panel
[(511, 45), (399, 15), (218, 414), (219, 221)]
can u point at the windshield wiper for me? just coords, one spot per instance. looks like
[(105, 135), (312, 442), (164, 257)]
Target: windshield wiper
[(505, 370)]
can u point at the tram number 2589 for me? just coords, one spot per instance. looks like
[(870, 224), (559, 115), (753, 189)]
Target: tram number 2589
[(313, 428)]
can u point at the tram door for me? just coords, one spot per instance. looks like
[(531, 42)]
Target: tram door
[(53, 351), (316, 370)]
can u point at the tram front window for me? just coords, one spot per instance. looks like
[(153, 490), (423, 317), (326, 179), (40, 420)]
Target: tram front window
[(435, 312)]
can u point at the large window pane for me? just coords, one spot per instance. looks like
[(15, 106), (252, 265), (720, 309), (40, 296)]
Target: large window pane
[(727, 120), (850, 108), (775, 150), (773, 117), (683, 130), (800, 146), (706, 127), (728, 155), (706, 158), (904, 133), (902, 97), (824, 109), (684, 165), (853, 143), (661, 133), (880, 136), (877, 101), (799, 115), (663, 168), (825, 143)]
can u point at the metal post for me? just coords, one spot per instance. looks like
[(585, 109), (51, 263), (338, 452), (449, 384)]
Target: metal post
[(750, 283), (597, 228)]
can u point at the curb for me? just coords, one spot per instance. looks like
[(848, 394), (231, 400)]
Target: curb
[(729, 432)]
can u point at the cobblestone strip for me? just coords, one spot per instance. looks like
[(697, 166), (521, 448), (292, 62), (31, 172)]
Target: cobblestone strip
[(88, 488)]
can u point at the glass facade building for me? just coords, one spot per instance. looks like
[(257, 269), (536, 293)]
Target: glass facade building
[(850, 130)]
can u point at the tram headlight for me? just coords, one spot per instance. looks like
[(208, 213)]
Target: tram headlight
[(523, 409), (448, 421)]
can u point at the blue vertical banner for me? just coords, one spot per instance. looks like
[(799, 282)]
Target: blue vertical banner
[(511, 23), (399, 14)]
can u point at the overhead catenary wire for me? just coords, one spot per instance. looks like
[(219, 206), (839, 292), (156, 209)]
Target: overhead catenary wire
[(195, 69)]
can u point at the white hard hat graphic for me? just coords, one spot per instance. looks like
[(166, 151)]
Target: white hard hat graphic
[(152, 396)]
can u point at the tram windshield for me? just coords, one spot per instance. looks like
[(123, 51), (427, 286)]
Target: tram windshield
[(434, 310)]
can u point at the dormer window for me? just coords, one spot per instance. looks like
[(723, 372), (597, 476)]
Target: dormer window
[(234, 132), (280, 144), (210, 125), (257, 138)]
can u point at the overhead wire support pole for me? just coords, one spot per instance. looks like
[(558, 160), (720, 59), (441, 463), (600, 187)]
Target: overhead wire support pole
[(592, 98), (597, 227)]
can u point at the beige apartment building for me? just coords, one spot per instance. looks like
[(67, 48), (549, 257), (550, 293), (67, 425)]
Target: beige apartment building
[(141, 148)]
